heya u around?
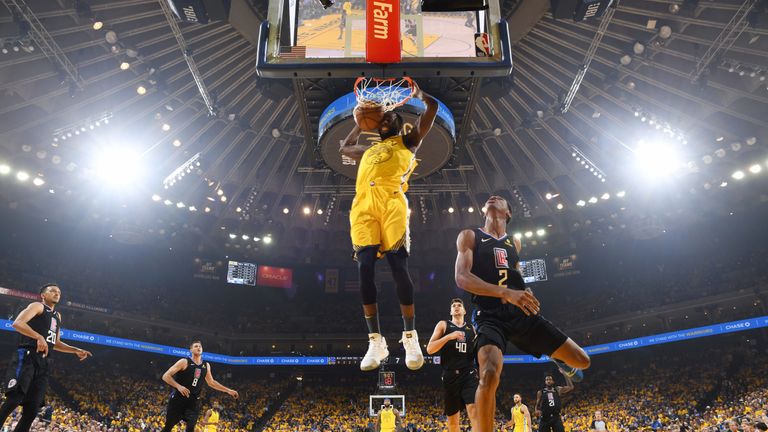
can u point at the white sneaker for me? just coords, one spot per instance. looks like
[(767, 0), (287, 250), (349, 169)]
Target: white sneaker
[(414, 359), (377, 352)]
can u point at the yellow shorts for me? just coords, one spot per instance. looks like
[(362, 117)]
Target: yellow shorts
[(379, 217)]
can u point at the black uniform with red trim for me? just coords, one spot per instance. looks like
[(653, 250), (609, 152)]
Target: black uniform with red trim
[(550, 411), (460, 379), (186, 408), (494, 260)]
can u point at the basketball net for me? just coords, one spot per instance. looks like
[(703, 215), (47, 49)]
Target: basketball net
[(388, 93)]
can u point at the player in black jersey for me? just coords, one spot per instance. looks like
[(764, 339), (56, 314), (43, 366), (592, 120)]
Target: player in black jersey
[(187, 376), (27, 379), (548, 403), (487, 266), (455, 340)]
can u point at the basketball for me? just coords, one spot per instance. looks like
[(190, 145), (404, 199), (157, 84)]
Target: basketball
[(368, 117)]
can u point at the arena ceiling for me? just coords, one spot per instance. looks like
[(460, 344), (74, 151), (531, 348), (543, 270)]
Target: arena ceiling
[(258, 166)]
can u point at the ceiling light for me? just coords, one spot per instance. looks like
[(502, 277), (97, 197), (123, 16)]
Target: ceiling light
[(548, 196), (223, 198), (528, 234), (165, 127), (756, 168), (306, 210), (450, 210), (276, 133), (267, 240), (111, 37), (124, 65), (155, 197), (232, 236), (192, 208), (518, 236), (560, 206), (180, 204), (39, 182), (638, 48), (5, 169), (723, 184), (540, 232), (581, 203), (665, 32), (320, 211), (593, 200), (118, 166), (738, 175), (167, 202), (238, 209), (207, 209), (256, 239), (625, 60), (219, 192), (97, 25), (285, 210), (176, 143), (606, 196), (22, 176), (246, 237), (655, 159), (620, 194), (141, 90), (471, 209)]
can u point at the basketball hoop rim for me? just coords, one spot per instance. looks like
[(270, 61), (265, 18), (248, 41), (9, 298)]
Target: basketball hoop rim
[(370, 103)]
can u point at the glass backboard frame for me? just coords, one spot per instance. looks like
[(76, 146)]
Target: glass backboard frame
[(270, 64)]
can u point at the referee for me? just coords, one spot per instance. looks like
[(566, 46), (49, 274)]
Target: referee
[(27, 379), (455, 341)]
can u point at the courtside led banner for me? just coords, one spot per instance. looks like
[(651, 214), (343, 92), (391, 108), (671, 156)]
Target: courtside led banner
[(663, 338), (382, 40)]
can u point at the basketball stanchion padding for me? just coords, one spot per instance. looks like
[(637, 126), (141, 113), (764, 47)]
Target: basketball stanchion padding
[(453, 5)]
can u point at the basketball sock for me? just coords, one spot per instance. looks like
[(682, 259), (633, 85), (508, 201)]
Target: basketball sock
[(409, 323), (373, 323)]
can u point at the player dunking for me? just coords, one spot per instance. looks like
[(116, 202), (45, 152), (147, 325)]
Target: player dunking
[(455, 341), (548, 403), (27, 379), (487, 265), (379, 222), (187, 376), (520, 420)]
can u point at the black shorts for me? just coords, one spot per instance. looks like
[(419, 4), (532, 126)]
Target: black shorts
[(532, 334), (551, 424), (27, 377), (181, 408), (459, 389)]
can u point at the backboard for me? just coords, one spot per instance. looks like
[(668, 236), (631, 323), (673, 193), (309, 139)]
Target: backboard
[(301, 39)]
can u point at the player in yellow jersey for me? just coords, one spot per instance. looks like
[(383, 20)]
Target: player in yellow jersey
[(211, 418), (521, 417), (379, 221), (388, 418)]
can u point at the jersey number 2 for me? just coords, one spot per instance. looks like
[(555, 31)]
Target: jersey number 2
[(503, 277), (51, 337)]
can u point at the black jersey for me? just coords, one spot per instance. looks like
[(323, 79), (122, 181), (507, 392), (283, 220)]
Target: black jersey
[(458, 354), (495, 261), (550, 402), (46, 324), (193, 377)]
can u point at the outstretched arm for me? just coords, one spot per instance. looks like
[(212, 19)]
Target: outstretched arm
[(217, 385), (349, 146), (425, 122), (66, 348), (568, 384)]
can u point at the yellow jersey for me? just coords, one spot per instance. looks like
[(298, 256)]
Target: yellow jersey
[(519, 417), (387, 420), (214, 418), (387, 162)]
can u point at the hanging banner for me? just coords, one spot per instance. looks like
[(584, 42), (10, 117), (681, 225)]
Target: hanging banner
[(277, 277), (332, 281), (382, 30)]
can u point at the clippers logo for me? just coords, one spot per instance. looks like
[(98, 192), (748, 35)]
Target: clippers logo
[(54, 324), (11, 383), (501, 257), (197, 373)]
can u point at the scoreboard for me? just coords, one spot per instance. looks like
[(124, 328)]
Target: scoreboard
[(533, 270), (241, 273)]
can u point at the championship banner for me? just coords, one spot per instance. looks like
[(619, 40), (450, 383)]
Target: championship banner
[(332, 281), (382, 21), (208, 270), (277, 277), (20, 294)]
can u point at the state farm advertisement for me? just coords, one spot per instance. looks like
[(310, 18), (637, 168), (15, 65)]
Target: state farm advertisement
[(277, 277)]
